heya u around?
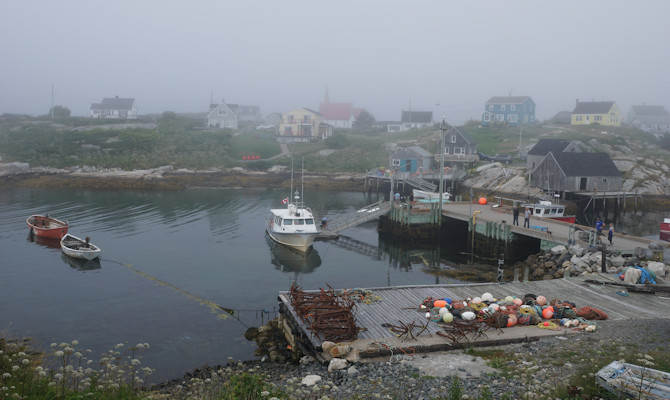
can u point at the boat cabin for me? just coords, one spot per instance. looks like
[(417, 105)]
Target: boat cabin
[(546, 209), (279, 221)]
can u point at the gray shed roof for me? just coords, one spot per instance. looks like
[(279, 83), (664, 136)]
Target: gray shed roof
[(593, 107), (650, 111), (413, 151), (586, 164), (544, 146)]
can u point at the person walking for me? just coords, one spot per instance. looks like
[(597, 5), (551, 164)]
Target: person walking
[(599, 226), (610, 234), (515, 212), (526, 218)]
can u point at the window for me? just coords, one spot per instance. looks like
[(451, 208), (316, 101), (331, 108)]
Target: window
[(604, 180), (287, 222), (587, 117), (299, 222), (395, 162), (309, 221), (578, 117), (446, 150), (512, 107), (453, 138), (290, 118), (487, 117), (307, 118), (502, 107), (512, 117), (597, 117), (222, 111), (459, 150), (491, 108)]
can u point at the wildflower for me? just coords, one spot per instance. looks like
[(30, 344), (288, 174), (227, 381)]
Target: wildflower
[(265, 393), (648, 357), (78, 354), (59, 353), (53, 345), (25, 361), (15, 367), (6, 375), (52, 384), (75, 342), (68, 350), (135, 361), (208, 380), (21, 354), (118, 346)]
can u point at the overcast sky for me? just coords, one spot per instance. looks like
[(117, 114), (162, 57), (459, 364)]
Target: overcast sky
[(446, 56)]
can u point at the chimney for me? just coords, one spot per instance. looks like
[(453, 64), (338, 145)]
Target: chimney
[(576, 102)]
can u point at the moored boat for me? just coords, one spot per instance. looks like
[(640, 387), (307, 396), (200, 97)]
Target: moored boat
[(79, 248), (292, 226), (547, 209), (47, 227), (665, 230), (420, 195)]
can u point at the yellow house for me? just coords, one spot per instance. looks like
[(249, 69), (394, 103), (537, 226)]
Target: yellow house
[(596, 112), (303, 125)]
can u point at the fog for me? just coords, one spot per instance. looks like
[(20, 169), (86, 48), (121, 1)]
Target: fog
[(444, 56)]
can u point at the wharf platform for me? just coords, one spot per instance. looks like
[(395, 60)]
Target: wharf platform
[(401, 305), (541, 228)]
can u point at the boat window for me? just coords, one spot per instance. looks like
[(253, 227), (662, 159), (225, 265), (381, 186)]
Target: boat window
[(309, 221), (553, 211), (300, 222), (288, 221), (560, 211)]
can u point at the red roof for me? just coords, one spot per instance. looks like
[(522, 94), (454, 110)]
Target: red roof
[(336, 111)]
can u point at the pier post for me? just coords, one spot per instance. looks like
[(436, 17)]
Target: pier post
[(526, 272)]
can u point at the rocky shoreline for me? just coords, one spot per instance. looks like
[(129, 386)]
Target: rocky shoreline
[(525, 371)]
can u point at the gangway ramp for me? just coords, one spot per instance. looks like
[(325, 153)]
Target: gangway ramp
[(368, 213)]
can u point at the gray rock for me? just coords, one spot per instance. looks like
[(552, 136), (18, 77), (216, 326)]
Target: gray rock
[(337, 364)]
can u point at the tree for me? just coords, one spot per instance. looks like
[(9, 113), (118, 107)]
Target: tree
[(364, 120), (59, 111)]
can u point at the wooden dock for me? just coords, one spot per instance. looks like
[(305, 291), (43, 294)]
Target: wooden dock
[(400, 305)]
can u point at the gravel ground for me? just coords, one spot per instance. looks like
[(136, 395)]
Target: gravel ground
[(536, 369)]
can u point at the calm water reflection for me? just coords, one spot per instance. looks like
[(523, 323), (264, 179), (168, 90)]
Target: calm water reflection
[(171, 260)]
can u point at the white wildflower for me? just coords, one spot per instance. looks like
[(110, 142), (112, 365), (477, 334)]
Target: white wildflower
[(21, 354), (78, 354), (118, 346), (15, 367), (25, 361), (59, 353), (135, 361), (265, 393), (53, 344), (52, 384), (75, 342), (6, 375)]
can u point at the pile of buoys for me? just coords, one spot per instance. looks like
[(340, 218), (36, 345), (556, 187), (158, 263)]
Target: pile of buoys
[(509, 311), (252, 156)]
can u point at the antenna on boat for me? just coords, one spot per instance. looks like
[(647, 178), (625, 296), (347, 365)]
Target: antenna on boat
[(302, 179), (291, 192)]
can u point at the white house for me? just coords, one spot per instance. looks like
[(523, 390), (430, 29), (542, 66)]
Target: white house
[(221, 116), (115, 107)]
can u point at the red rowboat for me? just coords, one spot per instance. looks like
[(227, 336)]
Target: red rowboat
[(47, 227), (665, 230)]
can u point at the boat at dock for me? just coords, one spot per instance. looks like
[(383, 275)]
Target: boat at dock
[(424, 195), (547, 209), (47, 227), (665, 230), (79, 248)]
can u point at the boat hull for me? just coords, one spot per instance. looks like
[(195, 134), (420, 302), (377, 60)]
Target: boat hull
[(67, 246), (298, 241), (47, 227), (568, 218)]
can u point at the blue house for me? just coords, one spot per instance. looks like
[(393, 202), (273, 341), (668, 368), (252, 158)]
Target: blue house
[(510, 110)]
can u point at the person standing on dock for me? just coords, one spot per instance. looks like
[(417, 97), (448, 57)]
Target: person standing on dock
[(610, 234), (515, 212), (526, 218)]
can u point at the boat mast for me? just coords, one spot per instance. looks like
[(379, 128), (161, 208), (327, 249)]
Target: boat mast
[(302, 179), (291, 192)]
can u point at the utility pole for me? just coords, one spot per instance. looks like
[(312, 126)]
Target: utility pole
[(52, 100), (443, 127)]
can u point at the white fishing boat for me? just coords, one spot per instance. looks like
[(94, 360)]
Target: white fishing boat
[(79, 248), (547, 209), (294, 225), (424, 195)]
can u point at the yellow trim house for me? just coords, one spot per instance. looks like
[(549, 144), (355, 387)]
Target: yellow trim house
[(303, 125), (596, 112)]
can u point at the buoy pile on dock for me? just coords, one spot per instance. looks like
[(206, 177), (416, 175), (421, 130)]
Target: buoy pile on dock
[(529, 310)]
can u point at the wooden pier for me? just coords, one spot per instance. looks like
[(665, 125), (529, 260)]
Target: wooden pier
[(400, 305)]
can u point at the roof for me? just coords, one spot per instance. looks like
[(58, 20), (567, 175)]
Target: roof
[(562, 117), (413, 151), (544, 146), (116, 103), (650, 111), (593, 107), (586, 164), (423, 117), (336, 111), (507, 100), (461, 131)]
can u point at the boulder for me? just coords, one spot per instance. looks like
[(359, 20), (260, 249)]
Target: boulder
[(340, 351), (326, 346), (354, 356), (337, 364), (251, 333), (310, 380), (576, 250), (617, 261), (558, 250)]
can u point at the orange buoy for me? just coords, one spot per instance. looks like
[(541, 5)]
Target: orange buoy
[(482, 200), (511, 320), (439, 303), (541, 300), (547, 313)]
